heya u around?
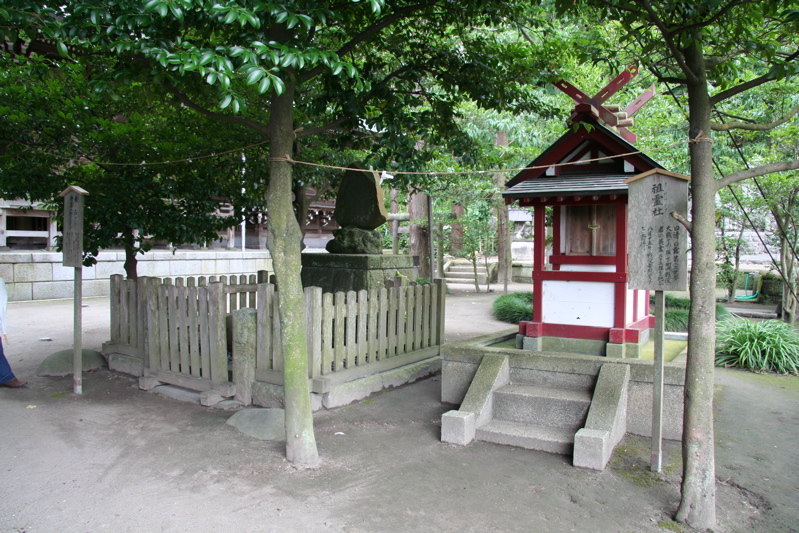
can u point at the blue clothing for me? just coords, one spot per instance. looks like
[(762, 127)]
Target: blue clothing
[(6, 374)]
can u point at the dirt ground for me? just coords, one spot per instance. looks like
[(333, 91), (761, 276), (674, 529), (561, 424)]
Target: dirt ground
[(124, 460)]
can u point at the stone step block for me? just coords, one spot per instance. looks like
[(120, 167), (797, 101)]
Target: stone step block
[(546, 406), (531, 437)]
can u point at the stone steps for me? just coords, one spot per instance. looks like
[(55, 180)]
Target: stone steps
[(537, 416), (529, 436), (564, 408)]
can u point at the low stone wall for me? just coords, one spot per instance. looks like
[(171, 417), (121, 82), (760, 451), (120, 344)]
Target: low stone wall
[(41, 276), (522, 272)]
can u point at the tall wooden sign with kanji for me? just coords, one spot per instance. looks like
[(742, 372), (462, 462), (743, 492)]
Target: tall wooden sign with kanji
[(658, 242), (658, 261), (72, 248)]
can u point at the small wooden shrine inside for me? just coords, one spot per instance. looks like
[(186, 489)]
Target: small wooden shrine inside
[(581, 299)]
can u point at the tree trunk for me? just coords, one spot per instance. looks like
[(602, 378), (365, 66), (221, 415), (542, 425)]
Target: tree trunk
[(419, 242), (301, 204), (131, 261), (504, 259), (698, 499), (284, 240), (456, 235)]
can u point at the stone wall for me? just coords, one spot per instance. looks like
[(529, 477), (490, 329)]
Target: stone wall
[(41, 276)]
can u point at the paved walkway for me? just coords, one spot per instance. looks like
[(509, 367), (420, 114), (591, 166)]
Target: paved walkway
[(123, 460)]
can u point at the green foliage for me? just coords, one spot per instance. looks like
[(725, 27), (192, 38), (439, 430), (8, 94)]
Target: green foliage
[(58, 132), (513, 307), (677, 309), (766, 346)]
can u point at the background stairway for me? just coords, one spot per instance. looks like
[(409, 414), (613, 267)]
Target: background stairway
[(537, 416), (460, 274)]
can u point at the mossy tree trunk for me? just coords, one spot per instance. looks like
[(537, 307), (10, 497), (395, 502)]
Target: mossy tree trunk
[(284, 242)]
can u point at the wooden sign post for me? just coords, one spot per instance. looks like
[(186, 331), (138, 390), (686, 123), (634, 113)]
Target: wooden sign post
[(658, 244), (72, 248)]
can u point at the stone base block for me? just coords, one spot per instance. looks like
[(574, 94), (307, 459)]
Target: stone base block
[(354, 272), (590, 448), (126, 364), (210, 397), (148, 382), (458, 427)]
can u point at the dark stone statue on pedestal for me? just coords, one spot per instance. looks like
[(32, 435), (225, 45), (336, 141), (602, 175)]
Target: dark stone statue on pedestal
[(356, 259)]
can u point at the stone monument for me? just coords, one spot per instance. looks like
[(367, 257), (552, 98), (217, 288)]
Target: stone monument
[(356, 260)]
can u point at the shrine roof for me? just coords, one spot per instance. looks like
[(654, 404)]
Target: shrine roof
[(577, 185), (561, 151)]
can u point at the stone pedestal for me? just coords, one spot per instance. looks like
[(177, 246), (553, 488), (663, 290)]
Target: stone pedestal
[(354, 272)]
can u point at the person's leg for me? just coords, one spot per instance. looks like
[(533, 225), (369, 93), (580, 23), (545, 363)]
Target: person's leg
[(7, 377), (6, 374)]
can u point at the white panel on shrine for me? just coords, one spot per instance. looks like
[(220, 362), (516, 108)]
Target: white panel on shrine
[(588, 268), (579, 303)]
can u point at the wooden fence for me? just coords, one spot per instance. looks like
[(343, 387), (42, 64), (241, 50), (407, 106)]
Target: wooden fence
[(181, 332)]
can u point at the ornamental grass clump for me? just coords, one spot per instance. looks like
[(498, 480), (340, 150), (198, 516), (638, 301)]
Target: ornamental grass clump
[(769, 345), (513, 307)]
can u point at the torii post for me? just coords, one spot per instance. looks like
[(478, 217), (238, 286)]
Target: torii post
[(72, 249), (613, 116)]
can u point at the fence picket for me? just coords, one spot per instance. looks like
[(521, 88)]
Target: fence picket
[(205, 335), (277, 333), (183, 330), (372, 335), (393, 311), (151, 350), (382, 319), (216, 311), (338, 331), (361, 346), (313, 310), (406, 320), (328, 318), (350, 330), (263, 337), (193, 331), (116, 308), (418, 304)]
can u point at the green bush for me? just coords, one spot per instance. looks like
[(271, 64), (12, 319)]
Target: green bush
[(769, 345), (771, 290), (676, 319), (677, 312), (513, 307)]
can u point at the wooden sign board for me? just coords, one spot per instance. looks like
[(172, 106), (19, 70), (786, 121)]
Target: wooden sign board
[(72, 231), (658, 243)]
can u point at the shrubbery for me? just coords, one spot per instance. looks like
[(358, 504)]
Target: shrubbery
[(769, 345), (513, 307), (677, 312)]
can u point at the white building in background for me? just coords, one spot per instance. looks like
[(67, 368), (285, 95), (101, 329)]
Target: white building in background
[(26, 225)]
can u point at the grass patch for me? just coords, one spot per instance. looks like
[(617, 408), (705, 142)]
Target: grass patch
[(58, 394), (670, 525), (765, 346), (513, 307)]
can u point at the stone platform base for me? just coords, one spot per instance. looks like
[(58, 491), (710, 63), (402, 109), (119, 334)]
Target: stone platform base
[(354, 272)]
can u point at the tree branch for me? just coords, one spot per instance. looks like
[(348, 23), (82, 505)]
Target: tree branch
[(708, 22), (760, 80), (185, 100), (755, 172), (750, 126), (368, 33), (682, 220), (676, 53)]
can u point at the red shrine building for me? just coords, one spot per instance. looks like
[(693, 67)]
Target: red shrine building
[(581, 299)]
